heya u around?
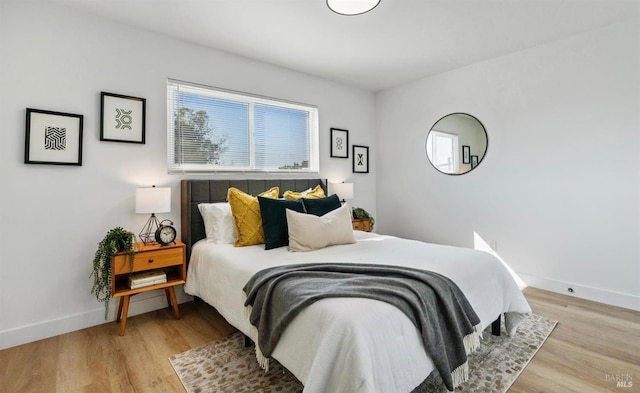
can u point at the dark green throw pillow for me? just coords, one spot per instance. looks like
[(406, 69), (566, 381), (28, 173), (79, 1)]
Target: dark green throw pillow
[(320, 207), (274, 220)]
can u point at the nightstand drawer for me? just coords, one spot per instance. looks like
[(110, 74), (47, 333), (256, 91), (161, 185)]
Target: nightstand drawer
[(147, 260), (361, 225)]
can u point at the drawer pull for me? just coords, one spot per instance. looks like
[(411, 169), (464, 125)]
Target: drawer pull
[(150, 260)]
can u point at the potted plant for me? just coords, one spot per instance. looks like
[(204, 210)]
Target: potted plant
[(116, 240), (362, 214)]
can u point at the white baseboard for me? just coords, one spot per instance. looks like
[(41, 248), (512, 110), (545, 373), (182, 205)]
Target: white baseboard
[(585, 292), (140, 304)]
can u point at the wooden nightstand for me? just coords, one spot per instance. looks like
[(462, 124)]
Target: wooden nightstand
[(171, 259), (361, 225)]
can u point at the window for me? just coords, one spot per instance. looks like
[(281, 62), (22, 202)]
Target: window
[(442, 149), (211, 130)]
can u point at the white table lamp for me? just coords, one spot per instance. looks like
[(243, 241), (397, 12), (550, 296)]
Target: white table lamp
[(343, 190)]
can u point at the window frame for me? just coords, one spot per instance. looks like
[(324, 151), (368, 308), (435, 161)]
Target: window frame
[(455, 146), (250, 100)]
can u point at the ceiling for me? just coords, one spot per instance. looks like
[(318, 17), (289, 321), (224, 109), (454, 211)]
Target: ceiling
[(399, 41)]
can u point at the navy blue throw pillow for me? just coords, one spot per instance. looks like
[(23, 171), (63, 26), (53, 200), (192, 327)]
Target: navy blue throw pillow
[(321, 206), (274, 220)]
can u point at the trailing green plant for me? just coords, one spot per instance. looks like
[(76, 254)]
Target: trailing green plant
[(362, 214), (116, 240)]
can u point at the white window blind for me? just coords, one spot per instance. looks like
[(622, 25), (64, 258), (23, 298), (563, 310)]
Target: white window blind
[(211, 130)]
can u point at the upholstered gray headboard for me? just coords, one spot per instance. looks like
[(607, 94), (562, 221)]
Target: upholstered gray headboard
[(194, 192)]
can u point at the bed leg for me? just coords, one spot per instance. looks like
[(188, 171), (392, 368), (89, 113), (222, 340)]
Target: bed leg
[(495, 327), (247, 341)]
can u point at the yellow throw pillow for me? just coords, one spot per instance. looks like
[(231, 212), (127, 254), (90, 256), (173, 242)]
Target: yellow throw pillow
[(316, 193), (246, 215)]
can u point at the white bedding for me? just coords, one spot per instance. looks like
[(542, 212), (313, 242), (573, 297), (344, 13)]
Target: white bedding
[(354, 345)]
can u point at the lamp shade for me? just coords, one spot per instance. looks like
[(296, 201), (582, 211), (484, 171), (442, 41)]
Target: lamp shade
[(153, 200), (343, 190), (352, 7)]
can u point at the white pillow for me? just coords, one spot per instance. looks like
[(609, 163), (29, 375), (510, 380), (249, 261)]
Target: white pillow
[(309, 232), (218, 222)]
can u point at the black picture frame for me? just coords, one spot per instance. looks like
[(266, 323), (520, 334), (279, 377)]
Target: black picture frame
[(474, 161), (360, 159), (339, 143), (122, 118), (466, 154), (53, 138)]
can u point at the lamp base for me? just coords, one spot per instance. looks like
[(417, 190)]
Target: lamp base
[(148, 233)]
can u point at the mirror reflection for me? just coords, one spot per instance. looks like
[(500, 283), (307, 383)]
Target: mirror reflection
[(456, 144)]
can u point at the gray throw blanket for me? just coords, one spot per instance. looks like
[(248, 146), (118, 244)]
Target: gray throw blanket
[(448, 325)]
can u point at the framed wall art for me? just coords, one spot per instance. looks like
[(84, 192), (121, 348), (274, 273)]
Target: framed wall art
[(122, 118), (339, 143), (360, 159), (466, 153), (53, 138), (474, 161)]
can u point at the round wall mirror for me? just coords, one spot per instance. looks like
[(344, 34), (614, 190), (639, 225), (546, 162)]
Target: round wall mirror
[(456, 144)]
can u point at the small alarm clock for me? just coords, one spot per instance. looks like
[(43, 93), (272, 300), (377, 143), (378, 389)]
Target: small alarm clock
[(166, 234)]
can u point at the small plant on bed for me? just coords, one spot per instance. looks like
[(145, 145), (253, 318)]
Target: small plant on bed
[(362, 214), (116, 240)]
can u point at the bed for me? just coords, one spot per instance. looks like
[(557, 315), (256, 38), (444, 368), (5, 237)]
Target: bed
[(341, 345)]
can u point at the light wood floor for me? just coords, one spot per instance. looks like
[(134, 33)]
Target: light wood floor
[(592, 342)]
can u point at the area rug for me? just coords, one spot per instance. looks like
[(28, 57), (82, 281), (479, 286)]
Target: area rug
[(226, 366)]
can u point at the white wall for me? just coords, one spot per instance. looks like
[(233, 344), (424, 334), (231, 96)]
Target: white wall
[(559, 188), (52, 217)]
